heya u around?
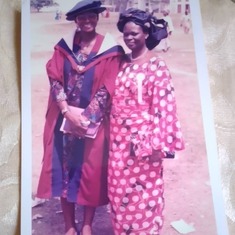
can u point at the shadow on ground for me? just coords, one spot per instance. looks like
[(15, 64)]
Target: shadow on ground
[(49, 215)]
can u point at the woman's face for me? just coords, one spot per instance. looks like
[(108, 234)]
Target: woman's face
[(134, 36), (87, 21)]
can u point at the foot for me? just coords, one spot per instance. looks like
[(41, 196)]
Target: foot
[(86, 230), (71, 231)]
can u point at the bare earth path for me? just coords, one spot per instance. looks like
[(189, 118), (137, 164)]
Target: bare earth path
[(187, 185)]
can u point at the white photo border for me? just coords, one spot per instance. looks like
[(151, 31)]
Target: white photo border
[(208, 119), (26, 134), (207, 114)]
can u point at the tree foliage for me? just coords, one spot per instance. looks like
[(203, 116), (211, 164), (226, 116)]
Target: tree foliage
[(38, 4)]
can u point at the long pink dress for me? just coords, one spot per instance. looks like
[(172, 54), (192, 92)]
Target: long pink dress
[(143, 118)]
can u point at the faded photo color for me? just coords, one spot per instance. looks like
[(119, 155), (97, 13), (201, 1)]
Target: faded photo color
[(187, 189)]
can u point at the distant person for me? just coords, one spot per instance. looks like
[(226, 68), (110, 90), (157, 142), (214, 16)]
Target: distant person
[(185, 22), (58, 15), (122, 5), (143, 127), (106, 13), (81, 74), (165, 44)]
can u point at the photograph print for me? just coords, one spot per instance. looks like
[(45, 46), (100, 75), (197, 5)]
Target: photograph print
[(114, 102)]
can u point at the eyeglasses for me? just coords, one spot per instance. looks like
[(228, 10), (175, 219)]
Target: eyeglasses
[(90, 16)]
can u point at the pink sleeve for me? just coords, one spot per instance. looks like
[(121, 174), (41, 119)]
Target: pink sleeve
[(166, 130)]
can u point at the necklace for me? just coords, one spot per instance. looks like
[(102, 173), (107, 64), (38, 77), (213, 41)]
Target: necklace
[(138, 57)]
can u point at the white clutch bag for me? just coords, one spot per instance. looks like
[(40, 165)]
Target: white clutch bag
[(67, 126)]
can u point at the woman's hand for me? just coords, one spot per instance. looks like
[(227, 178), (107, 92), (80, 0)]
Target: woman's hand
[(80, 123), (157, 156)]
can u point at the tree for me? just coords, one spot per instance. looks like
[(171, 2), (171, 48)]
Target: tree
[(38, 4)]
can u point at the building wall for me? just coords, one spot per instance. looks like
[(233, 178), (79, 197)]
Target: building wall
[(175, 6)]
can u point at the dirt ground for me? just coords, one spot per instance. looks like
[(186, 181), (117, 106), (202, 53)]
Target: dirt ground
[(187, 185)]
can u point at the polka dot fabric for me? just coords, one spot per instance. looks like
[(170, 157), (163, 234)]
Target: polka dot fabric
[(136, 195), (143, 118)]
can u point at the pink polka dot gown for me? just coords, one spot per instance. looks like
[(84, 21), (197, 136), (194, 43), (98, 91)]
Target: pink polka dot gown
[(143, 118)]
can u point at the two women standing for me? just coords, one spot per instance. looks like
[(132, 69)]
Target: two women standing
[(87, 73)]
